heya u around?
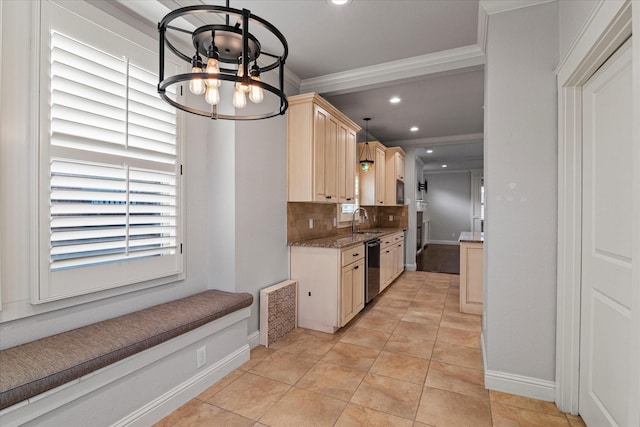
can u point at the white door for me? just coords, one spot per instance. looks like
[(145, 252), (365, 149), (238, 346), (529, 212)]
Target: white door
[(605, 329)]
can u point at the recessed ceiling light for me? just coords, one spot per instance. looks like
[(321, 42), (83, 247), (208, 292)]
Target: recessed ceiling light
[(395, 100), (414, 129), (339, 2), (429, 151), (444, 166)]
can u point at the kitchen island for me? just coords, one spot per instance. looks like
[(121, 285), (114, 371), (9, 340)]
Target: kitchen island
[(471, 272)]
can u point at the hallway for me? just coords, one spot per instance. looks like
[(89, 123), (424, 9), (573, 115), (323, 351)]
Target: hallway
[(409, 359), (439, 259)]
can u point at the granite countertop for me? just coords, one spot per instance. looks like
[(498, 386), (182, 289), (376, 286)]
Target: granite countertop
[(341, 241), (470, 236)]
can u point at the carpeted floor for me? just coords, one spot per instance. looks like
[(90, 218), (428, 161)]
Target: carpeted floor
[(440, 259)]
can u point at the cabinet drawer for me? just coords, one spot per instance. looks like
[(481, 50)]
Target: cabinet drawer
[(397, 237), (386, 241), (352, 254)]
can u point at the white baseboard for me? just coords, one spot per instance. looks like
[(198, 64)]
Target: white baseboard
[(181, 394), (521, 385), (411, 267), (254, 339), (444, 242), (533, 388)]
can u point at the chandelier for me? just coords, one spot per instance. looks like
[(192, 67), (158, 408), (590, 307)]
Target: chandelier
[(224, 52), (366, 163)]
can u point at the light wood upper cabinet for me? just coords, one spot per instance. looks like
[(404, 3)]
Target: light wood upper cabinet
[(372, 182), (320, 165), (394, 161), (346, 164)]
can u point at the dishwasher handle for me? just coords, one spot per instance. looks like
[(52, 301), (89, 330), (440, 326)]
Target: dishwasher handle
[(372, 243)]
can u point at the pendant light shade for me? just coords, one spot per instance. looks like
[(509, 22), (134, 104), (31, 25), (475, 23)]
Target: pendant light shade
[(365, 153), (232, 56)]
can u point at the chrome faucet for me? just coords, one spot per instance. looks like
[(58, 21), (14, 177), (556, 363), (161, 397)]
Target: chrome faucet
[(354, 228)]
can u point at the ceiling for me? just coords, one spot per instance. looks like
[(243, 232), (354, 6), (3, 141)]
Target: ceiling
[(360, 55)]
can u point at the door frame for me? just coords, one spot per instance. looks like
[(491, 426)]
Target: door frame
[(608, 26)]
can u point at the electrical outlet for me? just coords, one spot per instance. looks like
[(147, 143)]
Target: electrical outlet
[(390, 218), (201, 357), (310, 222), (335, 222)]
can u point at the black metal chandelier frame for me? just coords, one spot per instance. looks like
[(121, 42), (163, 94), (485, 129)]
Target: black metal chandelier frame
[(249, 50), (366, 163)]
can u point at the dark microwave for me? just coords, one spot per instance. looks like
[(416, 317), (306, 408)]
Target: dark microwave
[(399, 192)]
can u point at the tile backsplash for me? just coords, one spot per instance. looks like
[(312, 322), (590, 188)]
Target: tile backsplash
[(323, 215)]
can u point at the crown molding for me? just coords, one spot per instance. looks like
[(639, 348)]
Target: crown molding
[(442, 140), (409, 68), (498, 6), (483, 24)]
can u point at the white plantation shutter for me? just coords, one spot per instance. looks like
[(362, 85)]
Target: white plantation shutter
[(113, 193), (103, 214)]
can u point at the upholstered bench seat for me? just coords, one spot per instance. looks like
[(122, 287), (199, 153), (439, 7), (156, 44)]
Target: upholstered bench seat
[(35, 367)]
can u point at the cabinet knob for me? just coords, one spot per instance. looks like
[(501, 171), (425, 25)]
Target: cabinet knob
[(348, 198), (356, 267), (327, 197), (388, 251), (356, 254)]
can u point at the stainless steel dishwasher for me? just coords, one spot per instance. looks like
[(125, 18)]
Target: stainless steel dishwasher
[(372, 270)]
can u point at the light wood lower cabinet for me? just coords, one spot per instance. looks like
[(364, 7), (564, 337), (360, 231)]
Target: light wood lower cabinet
[(471, 277), (391, 258), (330, 285), (352, 286)]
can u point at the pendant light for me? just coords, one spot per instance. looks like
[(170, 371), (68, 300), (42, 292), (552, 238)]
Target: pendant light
[(230, 50), (366, 163)]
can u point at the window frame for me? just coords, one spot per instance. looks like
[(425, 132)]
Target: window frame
[(89, 30)]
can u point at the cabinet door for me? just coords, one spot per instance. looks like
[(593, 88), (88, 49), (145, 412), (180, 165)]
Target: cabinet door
[(320, 125), (346, 295), (346, 164), (358, 287), (380, 181), (399, 259), (352, 291), (331, 161), (471, 277), (399, 163), (325, 155), (350, 174), (386, 267)]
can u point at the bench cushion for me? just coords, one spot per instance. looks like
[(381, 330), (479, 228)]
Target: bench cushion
[(35, 367)]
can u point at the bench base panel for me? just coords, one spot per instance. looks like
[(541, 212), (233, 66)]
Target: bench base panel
[(144, 387)]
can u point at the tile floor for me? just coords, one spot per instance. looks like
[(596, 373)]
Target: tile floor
[(409, 359)]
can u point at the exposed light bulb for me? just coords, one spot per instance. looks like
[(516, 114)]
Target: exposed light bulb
[(239, 85), (196, 85), (212, 95), (256, 94), (239, 98), (213, 68), (364, 166)]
